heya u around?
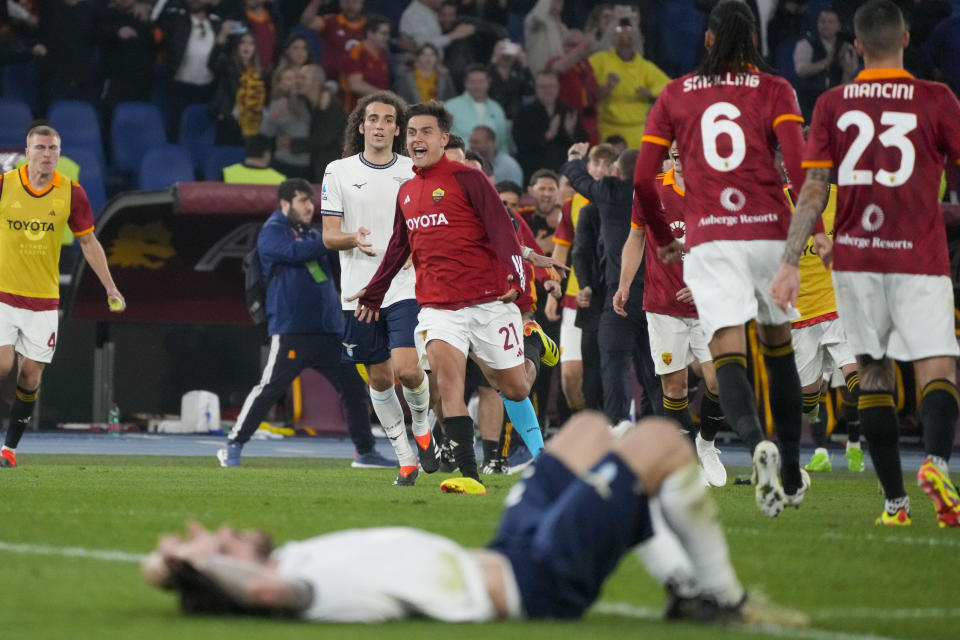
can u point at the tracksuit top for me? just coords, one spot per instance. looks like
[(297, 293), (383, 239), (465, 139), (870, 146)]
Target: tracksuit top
[(451, 220)]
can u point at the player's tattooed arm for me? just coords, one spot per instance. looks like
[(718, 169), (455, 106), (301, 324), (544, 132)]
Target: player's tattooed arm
[(810, 204)]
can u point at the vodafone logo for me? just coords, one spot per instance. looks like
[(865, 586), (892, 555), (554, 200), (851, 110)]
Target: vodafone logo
[(732, 199)]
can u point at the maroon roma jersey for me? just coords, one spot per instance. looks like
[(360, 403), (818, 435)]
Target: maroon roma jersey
[(725, 132), (886, 134), (451, 220), (662, 281)]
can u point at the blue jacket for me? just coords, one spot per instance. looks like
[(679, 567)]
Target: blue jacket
[(296, 303)]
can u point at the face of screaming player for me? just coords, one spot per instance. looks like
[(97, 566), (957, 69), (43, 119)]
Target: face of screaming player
[(300, 211), (675, 157), (379, 126), (425, 140)]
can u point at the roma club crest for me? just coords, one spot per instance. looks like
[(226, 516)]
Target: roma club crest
[(437, 195), (667, 358)]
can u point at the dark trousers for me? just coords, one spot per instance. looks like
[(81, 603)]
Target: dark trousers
[(290, 354), (592, 379), (622, 340)]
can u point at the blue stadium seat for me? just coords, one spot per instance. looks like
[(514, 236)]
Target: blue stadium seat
[(15, 117), (78, 124), (91, 176), (219, 158), (136, 127), (196, 133), (19, 80), (164, 164)]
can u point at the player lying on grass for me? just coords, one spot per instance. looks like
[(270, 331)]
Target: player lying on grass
[(590, 499)]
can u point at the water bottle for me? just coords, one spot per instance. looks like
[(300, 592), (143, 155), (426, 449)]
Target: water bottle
[(113, 420)]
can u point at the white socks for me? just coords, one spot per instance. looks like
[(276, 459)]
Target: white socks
[(664, 556), (418, 400), (692, 515), (387, 407)]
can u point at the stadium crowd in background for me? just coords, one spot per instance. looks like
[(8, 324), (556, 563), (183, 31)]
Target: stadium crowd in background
[(557, 118), (231, 55)]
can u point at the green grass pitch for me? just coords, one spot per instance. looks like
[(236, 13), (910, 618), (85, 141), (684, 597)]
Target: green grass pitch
[(827, 559)]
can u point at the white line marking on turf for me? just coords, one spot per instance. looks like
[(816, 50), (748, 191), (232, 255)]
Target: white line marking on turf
[(72, 552), (811, 633), (893, 538), (900, 614)]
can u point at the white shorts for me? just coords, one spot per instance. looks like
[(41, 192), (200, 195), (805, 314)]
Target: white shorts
[(675, 342), (819, 350), (899, 315), (730, 281), (493, 331), (33, 334), (570, 336)]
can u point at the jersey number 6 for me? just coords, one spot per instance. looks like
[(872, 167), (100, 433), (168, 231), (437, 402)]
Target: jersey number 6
[(712, 127)]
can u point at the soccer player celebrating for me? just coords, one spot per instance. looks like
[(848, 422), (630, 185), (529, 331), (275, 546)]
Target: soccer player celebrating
[(727, 118), (357, 203), (450, 221), (886, 133), (676, 337), (36, 202)]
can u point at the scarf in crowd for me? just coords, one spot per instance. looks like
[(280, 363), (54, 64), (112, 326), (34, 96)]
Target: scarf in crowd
[(251, 97)]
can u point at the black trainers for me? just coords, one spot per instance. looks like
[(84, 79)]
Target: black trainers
[(494, 466), (429, 460), (448, 464), (406, 480)]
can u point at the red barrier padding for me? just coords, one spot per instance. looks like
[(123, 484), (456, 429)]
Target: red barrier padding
[(218, 198)]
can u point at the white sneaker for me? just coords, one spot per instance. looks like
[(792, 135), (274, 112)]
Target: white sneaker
[(622, 427), (795, 499), (713, 469), (766, 479)]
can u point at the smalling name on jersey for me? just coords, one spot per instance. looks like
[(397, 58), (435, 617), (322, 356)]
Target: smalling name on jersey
[(893, 90), (695, 83)]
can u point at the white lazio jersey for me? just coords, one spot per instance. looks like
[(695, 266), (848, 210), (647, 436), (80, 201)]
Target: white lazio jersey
[(365, 195), (387, 573)]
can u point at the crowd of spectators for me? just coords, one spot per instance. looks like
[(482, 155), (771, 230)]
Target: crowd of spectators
[(524, 79), (535, 74)]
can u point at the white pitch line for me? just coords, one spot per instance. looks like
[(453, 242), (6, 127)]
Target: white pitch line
[(899, 614), (810, 633), (893, 538), (72, 552)]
